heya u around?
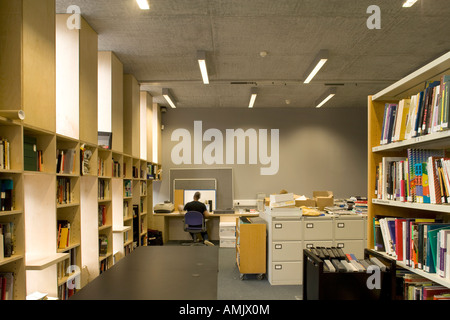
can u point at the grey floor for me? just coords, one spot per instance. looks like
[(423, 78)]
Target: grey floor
[(231, 287)]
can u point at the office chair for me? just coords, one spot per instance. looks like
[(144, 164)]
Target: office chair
[(195, 223)]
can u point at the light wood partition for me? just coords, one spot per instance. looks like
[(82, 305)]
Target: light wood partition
[(27, 64), (131, 122)]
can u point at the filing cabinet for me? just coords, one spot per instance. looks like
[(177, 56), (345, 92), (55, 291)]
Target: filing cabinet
[(288, 236)]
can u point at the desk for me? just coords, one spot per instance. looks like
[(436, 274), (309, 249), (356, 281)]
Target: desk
[(172, 225), (158, 273)]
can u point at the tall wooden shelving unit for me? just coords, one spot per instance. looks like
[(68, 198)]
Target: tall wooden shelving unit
[(411, 84), (31, 45)]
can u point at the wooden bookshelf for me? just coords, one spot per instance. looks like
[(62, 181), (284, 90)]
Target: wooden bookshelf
[(31, 50), (403, 89)]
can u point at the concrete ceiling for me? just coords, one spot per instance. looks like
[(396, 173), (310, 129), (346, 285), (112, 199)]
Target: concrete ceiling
[(159, 47)]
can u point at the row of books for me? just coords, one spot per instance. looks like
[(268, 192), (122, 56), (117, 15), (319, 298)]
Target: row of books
[(63, 240), (422, 177), (65, 269), (7, 286), (6, 195), (5, 158), (103, 189), (415, 287), (64, 193), (418, 243), (335, 260), (103, 245), (116, 170), (65, 161), (102, 215), (7, 242), (424, 113)]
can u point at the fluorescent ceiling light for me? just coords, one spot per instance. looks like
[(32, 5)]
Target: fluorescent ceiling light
[(317, 64), (253, 97), (143, 4), (168, 97), (409, 3), (201, 56), (326, 97)]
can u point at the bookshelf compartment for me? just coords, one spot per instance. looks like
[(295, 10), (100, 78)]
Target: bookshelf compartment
[(68, 156), (11, 150), (41, 143), (88, 160), (11, 185), (104, 163), (69, 218)]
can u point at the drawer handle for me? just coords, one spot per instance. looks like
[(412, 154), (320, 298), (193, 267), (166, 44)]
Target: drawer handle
[(278, 246), (341, 225), (340, 245), (310, 225), (278, 267), (278, 225)]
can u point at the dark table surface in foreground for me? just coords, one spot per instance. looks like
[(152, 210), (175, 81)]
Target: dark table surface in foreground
[(158, 273)]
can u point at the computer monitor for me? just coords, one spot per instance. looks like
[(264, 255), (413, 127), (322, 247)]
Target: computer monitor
[(208, 196)]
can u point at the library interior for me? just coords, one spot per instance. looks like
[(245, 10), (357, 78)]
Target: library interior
[(216, 150)]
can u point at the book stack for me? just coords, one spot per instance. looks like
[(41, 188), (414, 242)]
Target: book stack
[(424, 113), (335, 260), (418, 243)]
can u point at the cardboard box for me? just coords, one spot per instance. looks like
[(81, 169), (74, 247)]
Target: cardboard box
[(305, 202), (323, 199)]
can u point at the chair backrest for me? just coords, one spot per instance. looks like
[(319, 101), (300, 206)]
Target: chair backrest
[(193, 218)]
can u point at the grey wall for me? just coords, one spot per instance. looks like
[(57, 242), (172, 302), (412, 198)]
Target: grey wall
[(320, 149)]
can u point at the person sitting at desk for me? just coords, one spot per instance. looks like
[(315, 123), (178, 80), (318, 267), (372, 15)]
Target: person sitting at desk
[(196, 205)]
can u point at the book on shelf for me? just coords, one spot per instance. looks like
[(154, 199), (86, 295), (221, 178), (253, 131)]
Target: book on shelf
[(423, 176), (116, 168), (64, 190), (103, 244), (421, 114), (103, 189), (7, 286), (63, 240), (65, 162), (5, 158), (6, 195), (101, 215), (417, 242), (7, 232)]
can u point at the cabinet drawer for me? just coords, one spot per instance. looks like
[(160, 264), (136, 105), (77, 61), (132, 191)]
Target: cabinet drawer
[(314, 243), (318, 230), (287, 272), (349, 229), (287, 251), (286, 230), (352, 246)]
